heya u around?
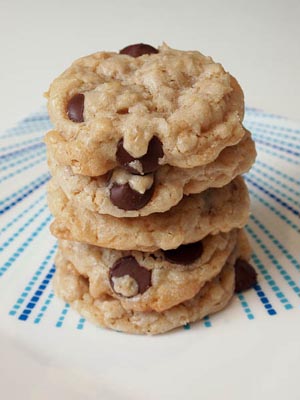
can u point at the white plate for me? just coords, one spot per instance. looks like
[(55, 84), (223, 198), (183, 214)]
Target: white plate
[(249, 351)]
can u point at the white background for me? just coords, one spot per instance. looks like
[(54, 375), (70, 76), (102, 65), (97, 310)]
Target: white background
[(256, 40)]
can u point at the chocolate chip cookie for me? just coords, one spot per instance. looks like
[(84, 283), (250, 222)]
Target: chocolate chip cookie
[(196, 216), (172, 107), (107, 311), (150, 281), (146, 155), (122, 193)]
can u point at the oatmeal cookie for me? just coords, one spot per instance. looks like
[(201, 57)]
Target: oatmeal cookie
[(196, 216), (169, 107), (150, 281), (123, 194)]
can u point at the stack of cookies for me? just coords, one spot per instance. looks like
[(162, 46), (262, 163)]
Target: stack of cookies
[(149, 205)]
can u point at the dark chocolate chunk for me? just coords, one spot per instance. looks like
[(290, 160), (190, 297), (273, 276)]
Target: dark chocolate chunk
[(184, 254), (149, 161), (245, 275), (106, 177), (122, 196), (75, 108), (139, 49), (129, 266)]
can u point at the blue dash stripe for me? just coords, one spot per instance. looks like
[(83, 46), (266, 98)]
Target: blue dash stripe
[(271, 282), (27, 190), (276, 242), (37, 117), (276, 127), (20, 144), (37, 295), (44, 308), (22, 228), (245, 306), (284, 140), (264, 300), (272, 178), (28, 128), (273, 196), (260, 113), (24, 168), (62, 317), (286, 276), (253, 174), (28, 149), (24, 212), (275, 146), (275, 211), (32, 281), (81, 323), (207, 322), (22, 160), (23, 246), (279, 155), (277, 172)]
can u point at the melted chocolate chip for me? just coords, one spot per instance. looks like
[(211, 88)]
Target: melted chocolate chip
[(75, 108), (129, 266), (149, 161), (184, 254), (106, 177), (139, 49), (245, 275), (126, 198)]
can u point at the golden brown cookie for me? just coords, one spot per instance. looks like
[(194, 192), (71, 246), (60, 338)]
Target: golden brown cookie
[(196, 216), (150, 281), (108, 312), (170, 107), (168, 184)]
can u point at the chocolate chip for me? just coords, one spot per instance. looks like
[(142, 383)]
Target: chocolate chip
[(106, 177), (139, 49), (184, 254), (245, 275), (149, 161), (75, 108), (122, 111), (124, 197), (129, 266)]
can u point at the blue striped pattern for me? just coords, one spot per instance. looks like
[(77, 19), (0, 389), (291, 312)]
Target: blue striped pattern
[(12, 259), (16, 197), (33, 281), (37, 295), (19, 216), (62, 316), (245, 306), (17, 233), (207, 322), (274, 226), (265, 301), (44, 308), (17, 153), (81, 323)]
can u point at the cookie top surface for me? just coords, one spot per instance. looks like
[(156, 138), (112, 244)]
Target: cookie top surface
[(183, 99)]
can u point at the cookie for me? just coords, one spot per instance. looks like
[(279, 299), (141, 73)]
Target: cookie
[(196, 216), (150, 281), (172, 107), (108, 311), (161, 191)]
